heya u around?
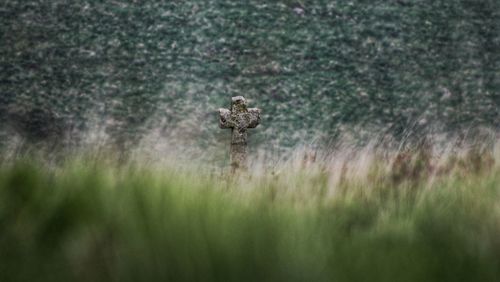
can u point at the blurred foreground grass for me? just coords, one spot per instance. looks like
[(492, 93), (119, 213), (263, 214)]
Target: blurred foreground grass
[(88, 220)]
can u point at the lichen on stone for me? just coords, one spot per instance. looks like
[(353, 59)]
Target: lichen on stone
[(239, 119)]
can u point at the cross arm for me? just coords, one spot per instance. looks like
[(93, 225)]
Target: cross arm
[(224, 118), (254, 117)]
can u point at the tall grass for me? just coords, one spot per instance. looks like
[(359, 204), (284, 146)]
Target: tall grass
[(353, 217)]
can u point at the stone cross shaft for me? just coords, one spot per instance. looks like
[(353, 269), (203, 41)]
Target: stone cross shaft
[(239, 119)]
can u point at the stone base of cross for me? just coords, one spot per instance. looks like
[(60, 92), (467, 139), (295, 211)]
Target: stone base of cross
[(239, 118)]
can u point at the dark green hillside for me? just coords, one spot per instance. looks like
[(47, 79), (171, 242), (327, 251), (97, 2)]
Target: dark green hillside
[(318, 67)]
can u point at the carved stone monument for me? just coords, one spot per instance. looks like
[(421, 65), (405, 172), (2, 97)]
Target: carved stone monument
[(239, 119)]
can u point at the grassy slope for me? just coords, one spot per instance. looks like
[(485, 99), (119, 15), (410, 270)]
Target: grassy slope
[(99, 222)]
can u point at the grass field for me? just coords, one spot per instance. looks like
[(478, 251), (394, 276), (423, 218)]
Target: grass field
[(404, 217)]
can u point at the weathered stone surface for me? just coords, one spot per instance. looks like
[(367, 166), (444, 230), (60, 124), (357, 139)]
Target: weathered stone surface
[(239, 119)]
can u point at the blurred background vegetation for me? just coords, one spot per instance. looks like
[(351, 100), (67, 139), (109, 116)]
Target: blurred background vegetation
[(317, 68), (146, 72)]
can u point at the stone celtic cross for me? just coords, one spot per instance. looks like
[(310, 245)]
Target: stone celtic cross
[(239, 119)]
